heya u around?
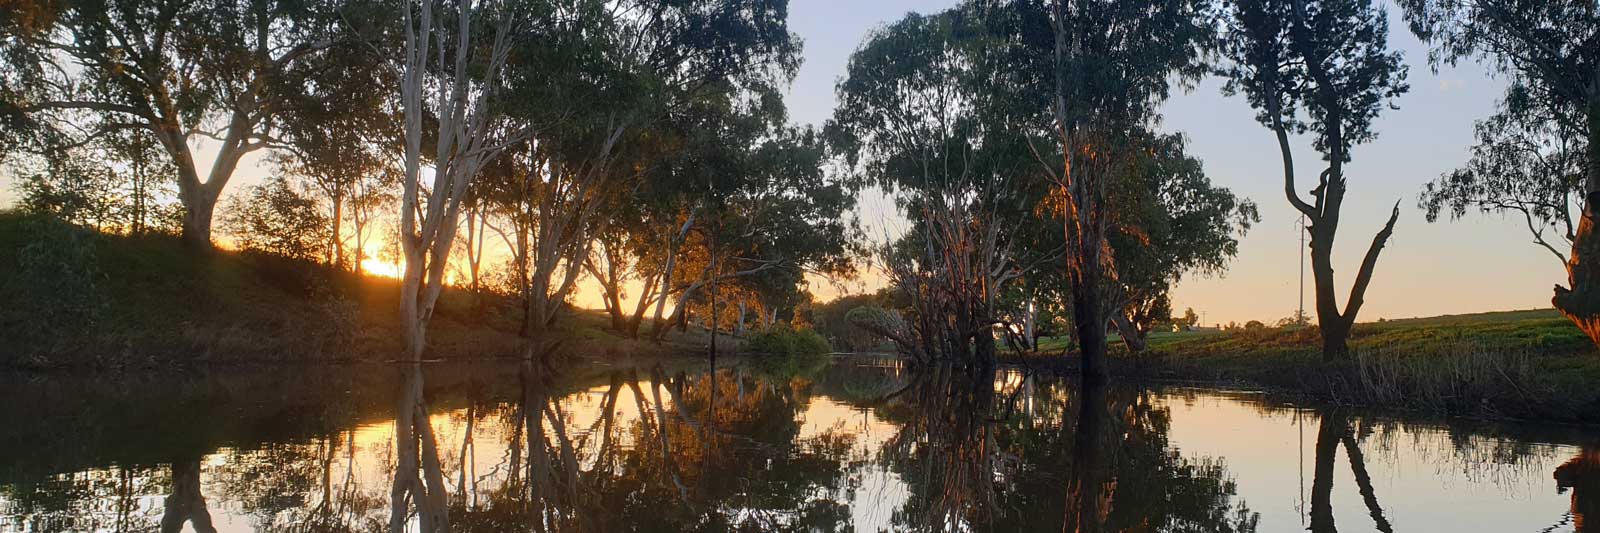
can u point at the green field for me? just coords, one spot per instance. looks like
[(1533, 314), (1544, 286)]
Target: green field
[(1512, 364)]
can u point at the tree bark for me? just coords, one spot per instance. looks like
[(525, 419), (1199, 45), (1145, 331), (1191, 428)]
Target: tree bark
[(1580, 300), (336, 239), (666, 275)]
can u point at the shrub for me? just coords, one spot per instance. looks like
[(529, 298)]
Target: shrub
[(275, 218), (782, 340)]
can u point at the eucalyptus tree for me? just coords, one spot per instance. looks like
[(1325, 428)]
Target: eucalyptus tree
[(180, 70), (922, 115), (1106, 66), (611, 74), (1539, 156), (1318, 67), (458, 99), (1170, 222), (767, 212), (336, 133)]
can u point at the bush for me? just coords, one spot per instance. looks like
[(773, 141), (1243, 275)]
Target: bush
[(784, 341)]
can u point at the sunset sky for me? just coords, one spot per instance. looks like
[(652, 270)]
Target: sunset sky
[(1482, 263)]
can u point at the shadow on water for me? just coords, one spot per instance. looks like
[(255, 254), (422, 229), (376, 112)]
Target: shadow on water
[(748, 447)]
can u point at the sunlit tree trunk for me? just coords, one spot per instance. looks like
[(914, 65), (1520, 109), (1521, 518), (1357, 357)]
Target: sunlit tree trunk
[(1580, 300)]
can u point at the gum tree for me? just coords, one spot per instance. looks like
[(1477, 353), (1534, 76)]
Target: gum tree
[(179, 70), (1540, 155), (1318, 67)]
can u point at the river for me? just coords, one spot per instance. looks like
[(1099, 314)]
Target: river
[(755, 446)]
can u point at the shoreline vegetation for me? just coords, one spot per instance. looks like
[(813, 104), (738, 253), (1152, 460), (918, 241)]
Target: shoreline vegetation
[(170, 306), (79, 299), (1528, 365)]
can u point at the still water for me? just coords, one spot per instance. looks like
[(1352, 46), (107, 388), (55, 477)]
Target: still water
[(753, 447)]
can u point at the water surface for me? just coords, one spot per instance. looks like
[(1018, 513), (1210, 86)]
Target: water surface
[(753, 447)]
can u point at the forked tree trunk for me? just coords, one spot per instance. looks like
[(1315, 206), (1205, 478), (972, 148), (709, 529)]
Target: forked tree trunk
[(1580, 300)]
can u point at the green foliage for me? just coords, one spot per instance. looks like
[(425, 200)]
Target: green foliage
[(273, 217), (1319, 67), (784, 341), (1530, 157), (116, 185)]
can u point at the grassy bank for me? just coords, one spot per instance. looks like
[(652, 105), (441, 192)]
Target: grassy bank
[(78, 299), (1518, 364)]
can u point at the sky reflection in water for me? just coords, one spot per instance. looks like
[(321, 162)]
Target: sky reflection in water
[(817, 447)]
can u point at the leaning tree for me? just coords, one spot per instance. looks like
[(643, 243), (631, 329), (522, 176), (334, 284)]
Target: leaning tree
[(1318, 67), (1538, 155)]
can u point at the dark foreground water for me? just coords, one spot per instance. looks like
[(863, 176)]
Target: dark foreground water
[(842, 447)]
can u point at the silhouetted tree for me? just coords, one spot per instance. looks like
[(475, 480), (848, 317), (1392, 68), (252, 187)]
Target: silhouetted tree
[(1319, 67)]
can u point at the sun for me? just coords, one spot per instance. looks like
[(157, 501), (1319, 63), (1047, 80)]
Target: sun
[(378, 267)]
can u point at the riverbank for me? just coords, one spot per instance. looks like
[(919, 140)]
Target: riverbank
[(80, 299), (1531, 365)]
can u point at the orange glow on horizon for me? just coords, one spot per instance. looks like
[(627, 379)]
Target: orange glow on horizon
[(378, 267)]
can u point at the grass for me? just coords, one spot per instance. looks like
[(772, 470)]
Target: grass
[(76, 299), (1531, 364)]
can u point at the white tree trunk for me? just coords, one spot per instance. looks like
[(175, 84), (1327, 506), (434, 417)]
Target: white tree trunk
[(464, 133)]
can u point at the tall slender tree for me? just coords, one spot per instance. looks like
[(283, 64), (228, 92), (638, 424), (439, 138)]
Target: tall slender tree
[(1319, 67), (458, 98), (1109, 64)]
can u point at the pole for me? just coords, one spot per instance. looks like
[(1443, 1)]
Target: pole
[(1300, 314)]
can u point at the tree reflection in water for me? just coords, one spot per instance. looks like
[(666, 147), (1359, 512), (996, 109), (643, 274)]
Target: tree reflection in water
[(686, 458), (1333, 431), (185, 503), (1072, 460), (1581, 475), (740, 449), (418, 478)]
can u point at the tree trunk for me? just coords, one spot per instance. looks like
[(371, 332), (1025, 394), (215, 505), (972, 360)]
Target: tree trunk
[(198, 208), (1581, 302), (337, 238), (1029, 315), (666, 275), (1091, 326), (1131, 336)]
